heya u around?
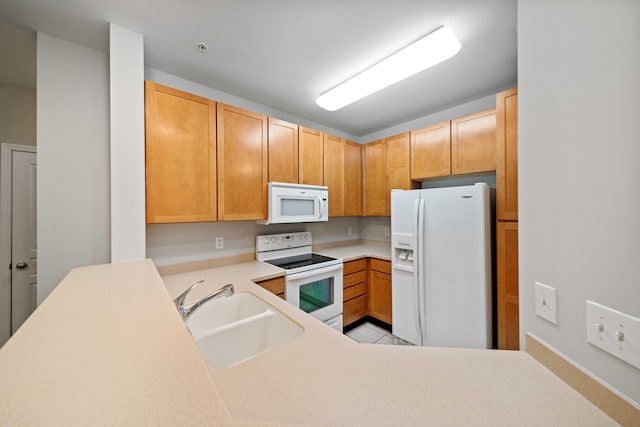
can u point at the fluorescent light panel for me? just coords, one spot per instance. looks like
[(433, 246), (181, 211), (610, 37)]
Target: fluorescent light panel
[(430, 50)]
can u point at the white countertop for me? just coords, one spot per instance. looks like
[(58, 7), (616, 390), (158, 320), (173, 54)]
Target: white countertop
[(108, 347), (380, 250)]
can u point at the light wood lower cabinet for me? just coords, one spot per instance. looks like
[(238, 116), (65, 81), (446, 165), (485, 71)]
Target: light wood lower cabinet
[(354, 309), (507, 155), (180, 150), (507, 299), (275, 286), (380, 290), (354, 297)]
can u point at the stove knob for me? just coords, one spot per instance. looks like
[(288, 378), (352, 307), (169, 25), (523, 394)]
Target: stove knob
[(273, 240)]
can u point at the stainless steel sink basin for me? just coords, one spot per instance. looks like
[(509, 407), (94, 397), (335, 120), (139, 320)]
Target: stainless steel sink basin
[(231, 330)]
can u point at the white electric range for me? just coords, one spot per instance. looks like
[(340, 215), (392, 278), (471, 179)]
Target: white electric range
[(313, 282)]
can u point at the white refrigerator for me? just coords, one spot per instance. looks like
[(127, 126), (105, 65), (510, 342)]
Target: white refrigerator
[(441, 266)]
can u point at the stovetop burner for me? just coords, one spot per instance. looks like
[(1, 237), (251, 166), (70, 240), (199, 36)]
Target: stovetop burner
[(297, 261)]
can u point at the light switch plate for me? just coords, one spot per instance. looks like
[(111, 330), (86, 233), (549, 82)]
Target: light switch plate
[(614, 332), (546, 302)]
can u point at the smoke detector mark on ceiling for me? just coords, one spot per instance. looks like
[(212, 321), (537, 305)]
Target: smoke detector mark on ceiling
[(202, 47)]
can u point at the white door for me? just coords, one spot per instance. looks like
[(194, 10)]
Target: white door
[(23, 238)]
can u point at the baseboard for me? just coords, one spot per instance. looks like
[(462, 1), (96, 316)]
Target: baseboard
[(614, 405)]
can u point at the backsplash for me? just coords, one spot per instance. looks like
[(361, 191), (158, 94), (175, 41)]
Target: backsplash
[(177, 243)]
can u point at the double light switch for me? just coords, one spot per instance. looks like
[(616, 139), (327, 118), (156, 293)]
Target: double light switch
[(614, 332)]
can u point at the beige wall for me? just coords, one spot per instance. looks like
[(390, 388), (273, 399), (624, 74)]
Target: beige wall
[(17, 115), (579, 170), (73, 159)]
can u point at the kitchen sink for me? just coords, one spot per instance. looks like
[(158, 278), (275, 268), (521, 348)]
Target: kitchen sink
[(232, 330)]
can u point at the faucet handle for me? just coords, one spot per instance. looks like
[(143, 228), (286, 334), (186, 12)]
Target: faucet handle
[(179, 301)]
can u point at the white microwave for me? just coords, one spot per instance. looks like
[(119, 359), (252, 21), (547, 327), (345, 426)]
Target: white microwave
[(291, 203)]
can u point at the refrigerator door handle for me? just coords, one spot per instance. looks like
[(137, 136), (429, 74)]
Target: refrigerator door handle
[(419, 274)]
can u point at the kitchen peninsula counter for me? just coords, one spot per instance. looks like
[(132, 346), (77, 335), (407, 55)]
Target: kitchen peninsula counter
[(108, 347)]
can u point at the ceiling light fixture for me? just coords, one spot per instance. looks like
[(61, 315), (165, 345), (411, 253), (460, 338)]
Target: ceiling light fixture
[(430, 50)]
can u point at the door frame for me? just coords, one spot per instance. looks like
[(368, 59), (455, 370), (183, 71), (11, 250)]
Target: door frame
[(6, 156)]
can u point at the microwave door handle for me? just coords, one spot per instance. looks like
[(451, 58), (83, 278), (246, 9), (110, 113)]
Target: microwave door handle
[(305, 275), (320, 204)]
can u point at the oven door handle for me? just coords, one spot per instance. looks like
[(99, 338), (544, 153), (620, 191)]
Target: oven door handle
[(316, 272)]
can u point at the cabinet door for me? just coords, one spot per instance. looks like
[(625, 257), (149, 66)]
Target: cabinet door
[(375, 182), (398, 169), (473, 143), (180, 150), (334, 173), (310, 156), (507, 155), (352, 179), (380, 296), (431, 151), (242, 164), (283, 151), (507, 300), (275, 286)]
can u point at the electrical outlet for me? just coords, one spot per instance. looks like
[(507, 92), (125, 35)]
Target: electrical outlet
[(546, 302), (349, 230), (219, 242), (387, 231), (614, 332)]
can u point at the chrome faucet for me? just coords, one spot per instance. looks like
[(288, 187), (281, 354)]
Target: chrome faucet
[(185, 312)]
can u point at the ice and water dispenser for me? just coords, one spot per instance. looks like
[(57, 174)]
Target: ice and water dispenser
[(403, 251)]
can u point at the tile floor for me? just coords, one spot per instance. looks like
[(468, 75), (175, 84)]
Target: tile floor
[(368, 333)]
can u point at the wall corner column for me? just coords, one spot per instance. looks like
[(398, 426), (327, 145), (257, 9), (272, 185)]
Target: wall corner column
[(126, 70)]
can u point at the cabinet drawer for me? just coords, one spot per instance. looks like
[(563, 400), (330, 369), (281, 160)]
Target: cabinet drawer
[(354, 291), (354, 278), (354, 309), (380, 265), (353, 266), (275, 286)]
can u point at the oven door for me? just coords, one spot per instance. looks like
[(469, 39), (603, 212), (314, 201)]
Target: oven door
[(317, 292)]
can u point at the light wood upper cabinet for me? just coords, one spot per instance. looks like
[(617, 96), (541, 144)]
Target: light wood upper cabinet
[(310, 156), (431, 151), (242, 164), (473, 143), (180, 150), (352, 179), (507, 155), (283, 151), (374, 178), (334, 173), (398, 171), (507, 285)]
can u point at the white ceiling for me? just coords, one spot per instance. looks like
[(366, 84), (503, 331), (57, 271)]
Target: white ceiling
[(284, 53)]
